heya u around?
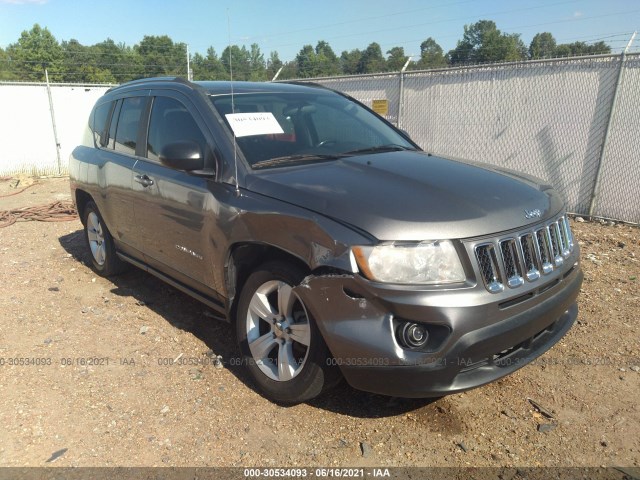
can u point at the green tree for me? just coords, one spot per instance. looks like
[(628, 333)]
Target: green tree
[(257, 64), (512, 48), (327, 61), (209, 67), (5, 67), (581, 48), (543, 45), (239, 60), (74, 56), (198, 67), (396, 59), (289, 71), (79, 66), (34, 50), (372, 60), (349, 61), (307, 62), (482, 42), (273, 65), (599, 48), (431, 55), (124, 63), (318, 62), (160, 56)]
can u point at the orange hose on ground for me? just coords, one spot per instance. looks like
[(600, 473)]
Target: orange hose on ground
[(53, 212)]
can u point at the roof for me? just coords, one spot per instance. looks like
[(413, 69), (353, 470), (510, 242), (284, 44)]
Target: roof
[(218, 87)]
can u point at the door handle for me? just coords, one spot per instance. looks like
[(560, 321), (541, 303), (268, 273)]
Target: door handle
[(143, 180)]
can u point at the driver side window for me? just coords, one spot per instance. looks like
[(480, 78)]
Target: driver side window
[(171, 122)]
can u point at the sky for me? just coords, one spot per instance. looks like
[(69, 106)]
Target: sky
[(285, 26)]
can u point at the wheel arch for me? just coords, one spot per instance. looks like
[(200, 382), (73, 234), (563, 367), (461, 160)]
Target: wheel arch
[(244, 258), (82, 198)]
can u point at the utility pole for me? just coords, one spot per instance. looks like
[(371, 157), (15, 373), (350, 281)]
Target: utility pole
[(189, 73)]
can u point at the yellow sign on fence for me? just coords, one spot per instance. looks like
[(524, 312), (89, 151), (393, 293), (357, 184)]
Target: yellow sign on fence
[(381, 107)]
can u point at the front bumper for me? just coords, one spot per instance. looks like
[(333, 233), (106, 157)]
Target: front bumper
[(486, 339)]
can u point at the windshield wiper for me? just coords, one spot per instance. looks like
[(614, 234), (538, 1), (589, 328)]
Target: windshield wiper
[(391, 147), (306, 157), (270, 162)]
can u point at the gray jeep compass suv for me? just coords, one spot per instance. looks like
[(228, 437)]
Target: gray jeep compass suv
[(334, 244)]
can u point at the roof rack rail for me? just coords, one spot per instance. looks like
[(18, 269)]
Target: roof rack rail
[(153, 79)]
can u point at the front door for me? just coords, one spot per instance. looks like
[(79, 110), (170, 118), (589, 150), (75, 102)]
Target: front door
[(173, 209)]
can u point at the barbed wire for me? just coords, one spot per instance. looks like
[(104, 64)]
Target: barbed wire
[(143, 65), (599, 37), (297, 72)]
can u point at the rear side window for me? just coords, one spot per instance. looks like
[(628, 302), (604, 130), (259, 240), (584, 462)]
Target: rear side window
[(111, 140), (128, 122), (171, 122), (100, 116)]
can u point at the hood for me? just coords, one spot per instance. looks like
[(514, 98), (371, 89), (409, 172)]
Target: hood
[(410, 195)]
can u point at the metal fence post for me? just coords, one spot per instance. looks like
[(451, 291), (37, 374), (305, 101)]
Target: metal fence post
[(605, 141), (53, 121), (401, 92), (400, 98)]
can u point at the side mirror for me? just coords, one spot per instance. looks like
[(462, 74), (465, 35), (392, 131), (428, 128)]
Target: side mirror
[(185, 156)]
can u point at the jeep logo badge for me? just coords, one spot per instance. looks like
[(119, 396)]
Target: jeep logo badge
[(536, 213)]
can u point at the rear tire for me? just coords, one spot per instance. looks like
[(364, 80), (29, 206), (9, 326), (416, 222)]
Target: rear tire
[(279, 340), (104, 260)]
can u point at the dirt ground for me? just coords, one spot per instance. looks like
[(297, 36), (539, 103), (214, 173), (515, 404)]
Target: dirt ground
[(120, 372)]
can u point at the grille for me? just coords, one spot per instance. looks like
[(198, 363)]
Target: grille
[(528, 256)]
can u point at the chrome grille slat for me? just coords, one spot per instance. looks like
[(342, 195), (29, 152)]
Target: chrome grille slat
[(565, 234), (489, 268), (561, 242), (530, 257), (544, 250), (509, 261), (554, 243)]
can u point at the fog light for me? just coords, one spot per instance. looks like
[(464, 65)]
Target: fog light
[(414, 335)]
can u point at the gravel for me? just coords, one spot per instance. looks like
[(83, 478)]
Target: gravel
[(98, 390)]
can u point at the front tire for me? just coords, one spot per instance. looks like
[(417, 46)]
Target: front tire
[(279, 340), (104, 260)]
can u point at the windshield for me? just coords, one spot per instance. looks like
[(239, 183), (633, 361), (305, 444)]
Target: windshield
[(283, 128)]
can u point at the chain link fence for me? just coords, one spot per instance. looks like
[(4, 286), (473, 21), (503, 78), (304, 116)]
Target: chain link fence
[(617, 194), (573, 122), (554, 119)]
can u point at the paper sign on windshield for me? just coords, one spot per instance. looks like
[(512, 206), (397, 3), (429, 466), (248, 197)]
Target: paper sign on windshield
[(258, 123)]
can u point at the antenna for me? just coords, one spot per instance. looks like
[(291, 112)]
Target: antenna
[(233, 106)]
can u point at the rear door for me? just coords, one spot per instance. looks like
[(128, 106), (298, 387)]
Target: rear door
[(117, 143), (173, 207)]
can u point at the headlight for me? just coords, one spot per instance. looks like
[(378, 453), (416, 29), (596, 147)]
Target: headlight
[(422, 263)]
